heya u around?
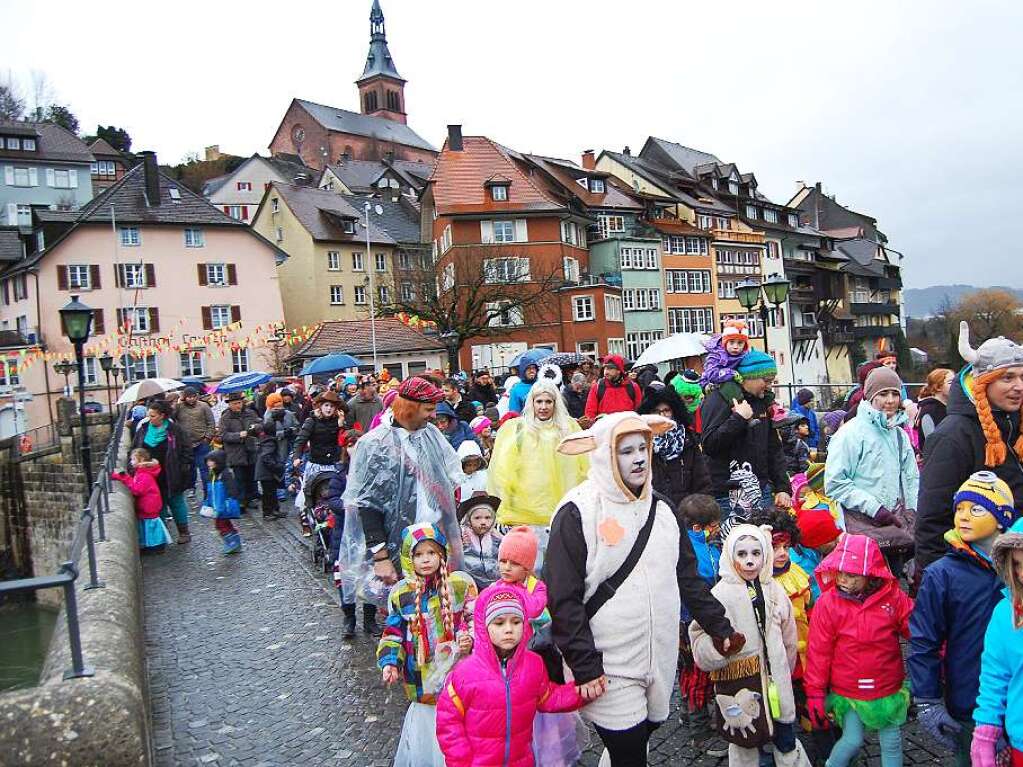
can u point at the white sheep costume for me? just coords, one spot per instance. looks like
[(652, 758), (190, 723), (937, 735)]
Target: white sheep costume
[(636, 631), (733, 592)]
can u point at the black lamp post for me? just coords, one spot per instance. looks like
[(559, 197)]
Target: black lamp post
[(106, 362), (774, 291), (77, 320), (66, 368), (450, 341)]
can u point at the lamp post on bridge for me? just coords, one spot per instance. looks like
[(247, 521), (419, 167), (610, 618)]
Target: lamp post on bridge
[(76, 318), (774, 291)]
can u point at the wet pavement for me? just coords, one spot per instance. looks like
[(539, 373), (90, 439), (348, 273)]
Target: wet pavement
[(247, 666)]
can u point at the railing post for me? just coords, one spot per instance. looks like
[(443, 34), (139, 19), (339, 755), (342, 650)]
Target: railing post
[(90, 545), (78, 668), (101, 499)]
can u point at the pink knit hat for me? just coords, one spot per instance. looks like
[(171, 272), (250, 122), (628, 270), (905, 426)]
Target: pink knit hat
[(519, 546)]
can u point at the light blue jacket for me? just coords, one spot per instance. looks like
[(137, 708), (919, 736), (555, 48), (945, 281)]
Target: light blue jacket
[(860, 472), (1000, 701)]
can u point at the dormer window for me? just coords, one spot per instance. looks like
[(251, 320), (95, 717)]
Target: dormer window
[(733, 187), (771, 216), (28, 144), (13, 143), (793, 220), (714, 183), (499, 192), (349, 226), (751, 211), (597, 186)]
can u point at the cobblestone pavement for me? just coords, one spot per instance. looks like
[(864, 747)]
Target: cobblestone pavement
[(247, 667)]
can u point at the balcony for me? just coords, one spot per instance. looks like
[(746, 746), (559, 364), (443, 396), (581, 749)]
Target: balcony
[(804, 332), (875, 331), (889, 283), (795, 266), (801, 290), (872, 307), (839, 336), (733, 235)]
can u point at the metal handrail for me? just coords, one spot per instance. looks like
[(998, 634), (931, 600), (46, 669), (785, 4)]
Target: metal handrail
[(95, 509)]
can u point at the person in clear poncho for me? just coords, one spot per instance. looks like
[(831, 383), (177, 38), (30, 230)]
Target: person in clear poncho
[(402, 473), (526, 470)]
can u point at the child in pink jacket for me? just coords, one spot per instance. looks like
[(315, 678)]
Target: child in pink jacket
[(153, 535), (486, 709)]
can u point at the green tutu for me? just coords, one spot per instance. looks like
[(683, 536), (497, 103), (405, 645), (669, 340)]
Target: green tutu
[(879, 714)]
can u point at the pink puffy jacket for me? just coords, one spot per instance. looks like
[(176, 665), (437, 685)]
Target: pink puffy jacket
[(485, 713)]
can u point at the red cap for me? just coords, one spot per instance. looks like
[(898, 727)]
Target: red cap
[(816, 527)]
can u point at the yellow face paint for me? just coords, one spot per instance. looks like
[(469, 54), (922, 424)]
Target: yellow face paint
[(973, 522)]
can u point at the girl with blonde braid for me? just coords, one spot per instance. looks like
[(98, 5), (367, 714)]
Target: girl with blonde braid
[(426, 632)]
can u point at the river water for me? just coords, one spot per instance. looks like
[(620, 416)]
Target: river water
[(25, 631)]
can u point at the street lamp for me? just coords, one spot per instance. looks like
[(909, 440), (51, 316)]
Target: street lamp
[(370, 268), (66, 368), (106, 362), (450, 341), (77, 320), (775, 291)]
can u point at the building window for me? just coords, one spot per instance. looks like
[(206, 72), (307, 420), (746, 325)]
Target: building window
[(610, 225), (337, 295), (772, 249), (9, 373), (357, 262), (582, 308), (613, 308), (771, 216), (22, 176), (504, 231), (194, 238), (235, 211), (244, 186), (78, 276), (733, 187), (381, 261), (142, 367), (793, 220), (280, 234), (637, 343), (751, 211), (240, 360), (404, 260), (62, 179), (687, 280), (408, 293), (137, 317), (13, 143), (360, 295), (216, 274), (697, 320), (384, 294), (571, 268), (705, 222), (333, 261), (133, 275), (447, 281), (192, 364), (130, 237), (499, 192), (503, 270), (641, 299), (597, 186), (504, 315), (445, 239), (220, 316), (275, 205), (616, 346), (572, 233), (588, 349)]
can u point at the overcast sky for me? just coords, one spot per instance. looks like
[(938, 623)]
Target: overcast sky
[(910, 111)]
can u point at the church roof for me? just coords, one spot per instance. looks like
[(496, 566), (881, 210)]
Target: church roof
[(379, 61), (343, 121)]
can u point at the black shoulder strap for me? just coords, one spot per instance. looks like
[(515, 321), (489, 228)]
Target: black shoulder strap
[(601, 388), (607, 589)]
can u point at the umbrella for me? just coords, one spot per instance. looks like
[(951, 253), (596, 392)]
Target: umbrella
[(330, 363), (562, 359), (146, 388), (674, 348), (535, 355), (242, 381)]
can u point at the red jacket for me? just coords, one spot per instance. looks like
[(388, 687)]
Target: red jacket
[(619, 397), (142, 484), (854, 646)]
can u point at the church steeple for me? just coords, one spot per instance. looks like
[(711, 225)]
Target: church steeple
[(381, 88)]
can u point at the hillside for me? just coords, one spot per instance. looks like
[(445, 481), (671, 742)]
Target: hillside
[(923, 302)]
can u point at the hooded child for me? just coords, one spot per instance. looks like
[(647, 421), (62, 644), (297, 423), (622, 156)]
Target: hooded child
[(954, 604), (725, 352), (999, 711), (426, 632), (223, 500), (487, 708), (753, 689), (481, 540), (854, 669), (474, 466), (621, 644), (528, 368), (153, 534)]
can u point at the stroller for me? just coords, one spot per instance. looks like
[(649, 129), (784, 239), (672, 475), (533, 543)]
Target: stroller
[(318, 520)]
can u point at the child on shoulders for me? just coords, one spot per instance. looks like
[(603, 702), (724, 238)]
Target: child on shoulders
[(153, 535), (726, 351)]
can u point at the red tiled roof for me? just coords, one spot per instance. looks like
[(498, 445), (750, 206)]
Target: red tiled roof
[(355, 337), (567, 175), (459, 178)]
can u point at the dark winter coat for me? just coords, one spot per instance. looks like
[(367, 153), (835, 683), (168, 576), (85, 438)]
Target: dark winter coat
[(175, 457), (361, 411), (269, 467), (953, 607), (575, 401), (240, 451), (458, 431), (320, 434), (931, 411), (797, 451), (954, 451), (683, 476), (811, 420), (729, 437), (485, 394)]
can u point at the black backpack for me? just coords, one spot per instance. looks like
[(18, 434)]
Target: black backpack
[(630, 384)]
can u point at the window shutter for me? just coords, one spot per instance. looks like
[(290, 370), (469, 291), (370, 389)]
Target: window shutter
[(12, 214), (118, 275), (232, 274), (33, 177), (94, 276), (6, 292), (61, 277), (150, 276), (49, 177), (9, 175), (236, 313), (98, 328), (207, 318), (486, 231), (121, 319), (73, 178), (245, 212), (521, 230), (202, 274), (154, 320), (227, 209)]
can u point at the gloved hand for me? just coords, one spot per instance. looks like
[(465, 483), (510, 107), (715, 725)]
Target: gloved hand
[(983, 747), (934, 718), (817, 713), (884, 517), (735, 643), (784, 736)]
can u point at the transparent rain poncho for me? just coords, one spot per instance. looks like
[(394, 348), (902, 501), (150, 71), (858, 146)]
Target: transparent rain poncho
[(407, 477)]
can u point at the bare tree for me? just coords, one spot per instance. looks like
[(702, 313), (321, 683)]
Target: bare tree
[(40, 94), (476, 292), (12, 100)]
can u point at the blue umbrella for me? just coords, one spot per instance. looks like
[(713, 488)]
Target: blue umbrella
[(330, 363), (242, 381), (531, 356)]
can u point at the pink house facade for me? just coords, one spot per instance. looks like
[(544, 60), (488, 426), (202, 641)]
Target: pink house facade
[(178, 290)]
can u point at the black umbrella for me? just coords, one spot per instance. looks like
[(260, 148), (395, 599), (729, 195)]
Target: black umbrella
[(563, 359)]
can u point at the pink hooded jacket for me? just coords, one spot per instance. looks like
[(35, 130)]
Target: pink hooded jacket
[(142, 484), (485, 712)]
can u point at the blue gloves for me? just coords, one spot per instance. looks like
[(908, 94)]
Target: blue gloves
[(784, 736), (934, 718)]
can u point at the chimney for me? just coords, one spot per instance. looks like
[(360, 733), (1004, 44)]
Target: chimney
[(589, 161), (455, 138), (152, 177), (627, 152)]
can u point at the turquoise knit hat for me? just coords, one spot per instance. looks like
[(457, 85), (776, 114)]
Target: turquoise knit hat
[(756, 364)]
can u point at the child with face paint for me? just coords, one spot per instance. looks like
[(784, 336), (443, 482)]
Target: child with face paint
[(957, 596), (754, 688), (854, 665)]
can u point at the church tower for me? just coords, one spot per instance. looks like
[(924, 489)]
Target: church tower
[(381, 88)]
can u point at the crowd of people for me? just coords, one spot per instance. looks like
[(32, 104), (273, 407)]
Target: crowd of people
[(580, 542)]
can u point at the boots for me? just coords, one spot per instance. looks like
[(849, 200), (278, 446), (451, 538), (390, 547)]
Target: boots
[(369, 620), (348, 627), (183, 534), (232, 543)]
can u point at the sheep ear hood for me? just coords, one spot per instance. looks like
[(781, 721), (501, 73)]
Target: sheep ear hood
[(601, 440), (762, 534)]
